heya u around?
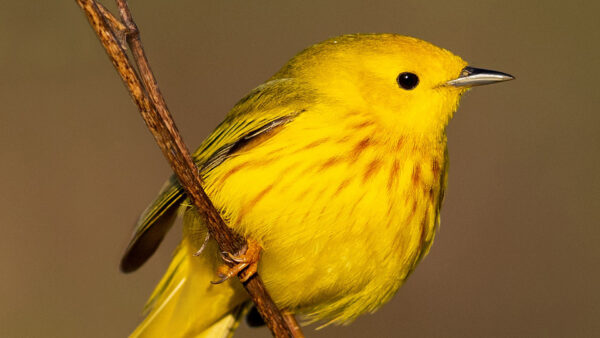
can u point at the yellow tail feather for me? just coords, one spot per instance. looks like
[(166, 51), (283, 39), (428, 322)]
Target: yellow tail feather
[(186, 304)]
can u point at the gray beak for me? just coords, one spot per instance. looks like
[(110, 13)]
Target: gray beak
[(470, 77)]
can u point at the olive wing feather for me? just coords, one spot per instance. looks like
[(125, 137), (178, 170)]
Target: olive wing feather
[(268, 107)]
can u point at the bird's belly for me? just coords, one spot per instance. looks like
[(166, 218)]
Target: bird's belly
[(339, 234)]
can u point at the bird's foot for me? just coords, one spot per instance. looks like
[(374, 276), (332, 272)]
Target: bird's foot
[(243, 264)]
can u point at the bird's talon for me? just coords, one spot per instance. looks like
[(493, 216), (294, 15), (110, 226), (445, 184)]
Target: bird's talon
[(248, 272), (219, 281), (199, 252), (234, 258), (226, 258), (245, 264)]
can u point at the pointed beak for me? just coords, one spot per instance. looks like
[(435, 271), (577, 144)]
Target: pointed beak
[(470, 77)]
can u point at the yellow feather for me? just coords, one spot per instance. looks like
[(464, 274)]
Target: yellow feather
[(335, 170)]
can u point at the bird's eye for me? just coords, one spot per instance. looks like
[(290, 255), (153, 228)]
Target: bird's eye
[(407, 80)]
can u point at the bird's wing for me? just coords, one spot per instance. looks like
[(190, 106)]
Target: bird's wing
[(267, 108)]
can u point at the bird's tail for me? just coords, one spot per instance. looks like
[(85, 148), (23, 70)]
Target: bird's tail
[(186, 304)]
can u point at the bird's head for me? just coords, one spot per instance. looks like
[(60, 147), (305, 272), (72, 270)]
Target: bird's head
[(406, 84)]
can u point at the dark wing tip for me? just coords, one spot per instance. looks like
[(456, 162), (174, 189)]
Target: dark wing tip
[(143, 246), (139, 251), (132, 261)]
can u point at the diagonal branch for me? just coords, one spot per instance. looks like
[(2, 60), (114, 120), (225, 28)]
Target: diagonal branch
[(152, 106)]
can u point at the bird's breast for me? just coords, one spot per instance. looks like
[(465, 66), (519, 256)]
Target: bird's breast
[(339, 214)]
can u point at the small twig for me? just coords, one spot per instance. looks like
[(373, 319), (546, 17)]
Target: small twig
[(110, 18), (153, 109), (292, 324), (117, 27)]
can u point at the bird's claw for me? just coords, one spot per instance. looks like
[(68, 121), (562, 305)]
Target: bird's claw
[(243, 265), (231, 258)]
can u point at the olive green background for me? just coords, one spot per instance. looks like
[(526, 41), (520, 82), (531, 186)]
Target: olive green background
[(517, 254)]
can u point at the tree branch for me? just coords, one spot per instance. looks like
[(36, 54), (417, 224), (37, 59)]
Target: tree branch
[(151, 104)]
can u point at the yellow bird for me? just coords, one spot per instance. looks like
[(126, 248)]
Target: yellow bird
[(336, 167)]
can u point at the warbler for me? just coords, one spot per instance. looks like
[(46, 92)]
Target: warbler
[(335, 168)]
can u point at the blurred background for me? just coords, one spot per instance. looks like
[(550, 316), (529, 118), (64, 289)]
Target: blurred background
[(517, 254)]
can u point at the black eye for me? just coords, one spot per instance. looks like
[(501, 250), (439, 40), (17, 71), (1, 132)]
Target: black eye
[(407, 80)]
